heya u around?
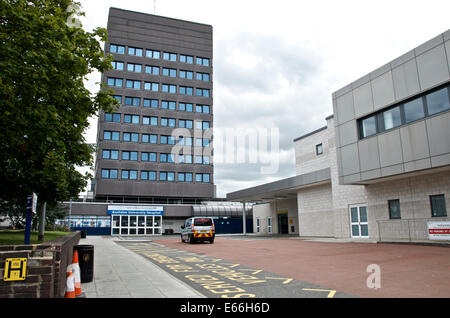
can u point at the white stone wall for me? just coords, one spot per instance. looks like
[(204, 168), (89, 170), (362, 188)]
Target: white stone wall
[(415, 208), (315, 211), (306, 159)]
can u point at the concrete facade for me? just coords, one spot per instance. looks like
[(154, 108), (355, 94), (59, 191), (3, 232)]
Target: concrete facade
[(412, 146), (381, 185)]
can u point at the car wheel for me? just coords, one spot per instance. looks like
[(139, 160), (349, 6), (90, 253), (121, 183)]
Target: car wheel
[(211, 240), (182, 241), (191, 239)]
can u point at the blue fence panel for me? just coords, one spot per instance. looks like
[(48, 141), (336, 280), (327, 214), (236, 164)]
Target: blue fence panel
[(94, 230), (232, 225)]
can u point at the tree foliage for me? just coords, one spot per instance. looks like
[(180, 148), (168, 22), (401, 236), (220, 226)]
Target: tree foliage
[(44, 104)]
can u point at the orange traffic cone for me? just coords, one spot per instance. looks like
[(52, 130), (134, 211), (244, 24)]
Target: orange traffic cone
[(76, 273), (70, 284)]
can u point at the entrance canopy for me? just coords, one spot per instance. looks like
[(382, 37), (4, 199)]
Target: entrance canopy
[(281, 189), (219, 210)]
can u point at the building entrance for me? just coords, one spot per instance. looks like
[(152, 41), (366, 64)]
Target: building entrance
[(136, 225), (358, 221), (283, 226), (135, 220)]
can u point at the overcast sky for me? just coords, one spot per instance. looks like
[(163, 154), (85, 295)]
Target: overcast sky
[(276, 63)]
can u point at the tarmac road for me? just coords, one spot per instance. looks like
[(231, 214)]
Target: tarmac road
[(219, 278), (405, 270)]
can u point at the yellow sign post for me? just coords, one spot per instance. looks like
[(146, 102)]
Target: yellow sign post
[(15, 269)]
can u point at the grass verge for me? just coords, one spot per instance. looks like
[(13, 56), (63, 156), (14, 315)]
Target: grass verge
[(17, 237)]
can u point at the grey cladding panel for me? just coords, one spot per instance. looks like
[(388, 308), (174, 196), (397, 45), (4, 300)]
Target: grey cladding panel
[(433, 67), (368, 154), (390, 148), (363, 101), (406, 80), (414, 141), (447, 49), (348, 133), (350, 159), (438, 128), (383, 90), (344, 107)]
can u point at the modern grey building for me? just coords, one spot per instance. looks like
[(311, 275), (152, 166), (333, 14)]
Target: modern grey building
[(157, 147), (380, 169)]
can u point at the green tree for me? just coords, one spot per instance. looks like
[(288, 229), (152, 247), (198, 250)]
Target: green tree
[(44, 104)]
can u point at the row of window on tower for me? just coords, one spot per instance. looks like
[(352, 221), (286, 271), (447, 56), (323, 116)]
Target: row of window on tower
[(145, 175), (156, 121), (153, 139), (156, 54), (109, 154), (164, 71), (157, 87), (163, 104)]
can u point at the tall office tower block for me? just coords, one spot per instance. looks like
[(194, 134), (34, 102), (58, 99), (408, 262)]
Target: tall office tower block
[(157, 147)]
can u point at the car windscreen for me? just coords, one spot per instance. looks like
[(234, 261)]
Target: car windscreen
[(203, 222)]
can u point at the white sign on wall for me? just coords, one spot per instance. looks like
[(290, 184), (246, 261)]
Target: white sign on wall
[(439, 230), (135, 210)]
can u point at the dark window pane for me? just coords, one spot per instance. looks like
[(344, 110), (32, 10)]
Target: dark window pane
[(394, 209), (438, 101), (438, 208), (368, 127), (414, 110), (392, 118)]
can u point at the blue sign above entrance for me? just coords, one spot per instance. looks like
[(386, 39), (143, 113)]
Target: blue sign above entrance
[(135, 210)]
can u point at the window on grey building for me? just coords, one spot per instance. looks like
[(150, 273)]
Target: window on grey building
[(319, 149), (131, 67), (135, 51), (152, 54), (394, 209), (117, 65), (113, 48), (153, 103), (170, 56), (368, 126), (428, 104), (437, 203), (414, 110), (186, 74), (438, 101), (154, 70), (186, 59), (392, 118), (169, 72)]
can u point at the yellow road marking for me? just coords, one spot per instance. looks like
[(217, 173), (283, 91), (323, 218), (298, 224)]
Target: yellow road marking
[(252, 270), (330, 294), (231, 265), (287, 280)]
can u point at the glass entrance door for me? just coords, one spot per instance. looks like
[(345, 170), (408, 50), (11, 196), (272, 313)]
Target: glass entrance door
[(358, 221), (136, 225)]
